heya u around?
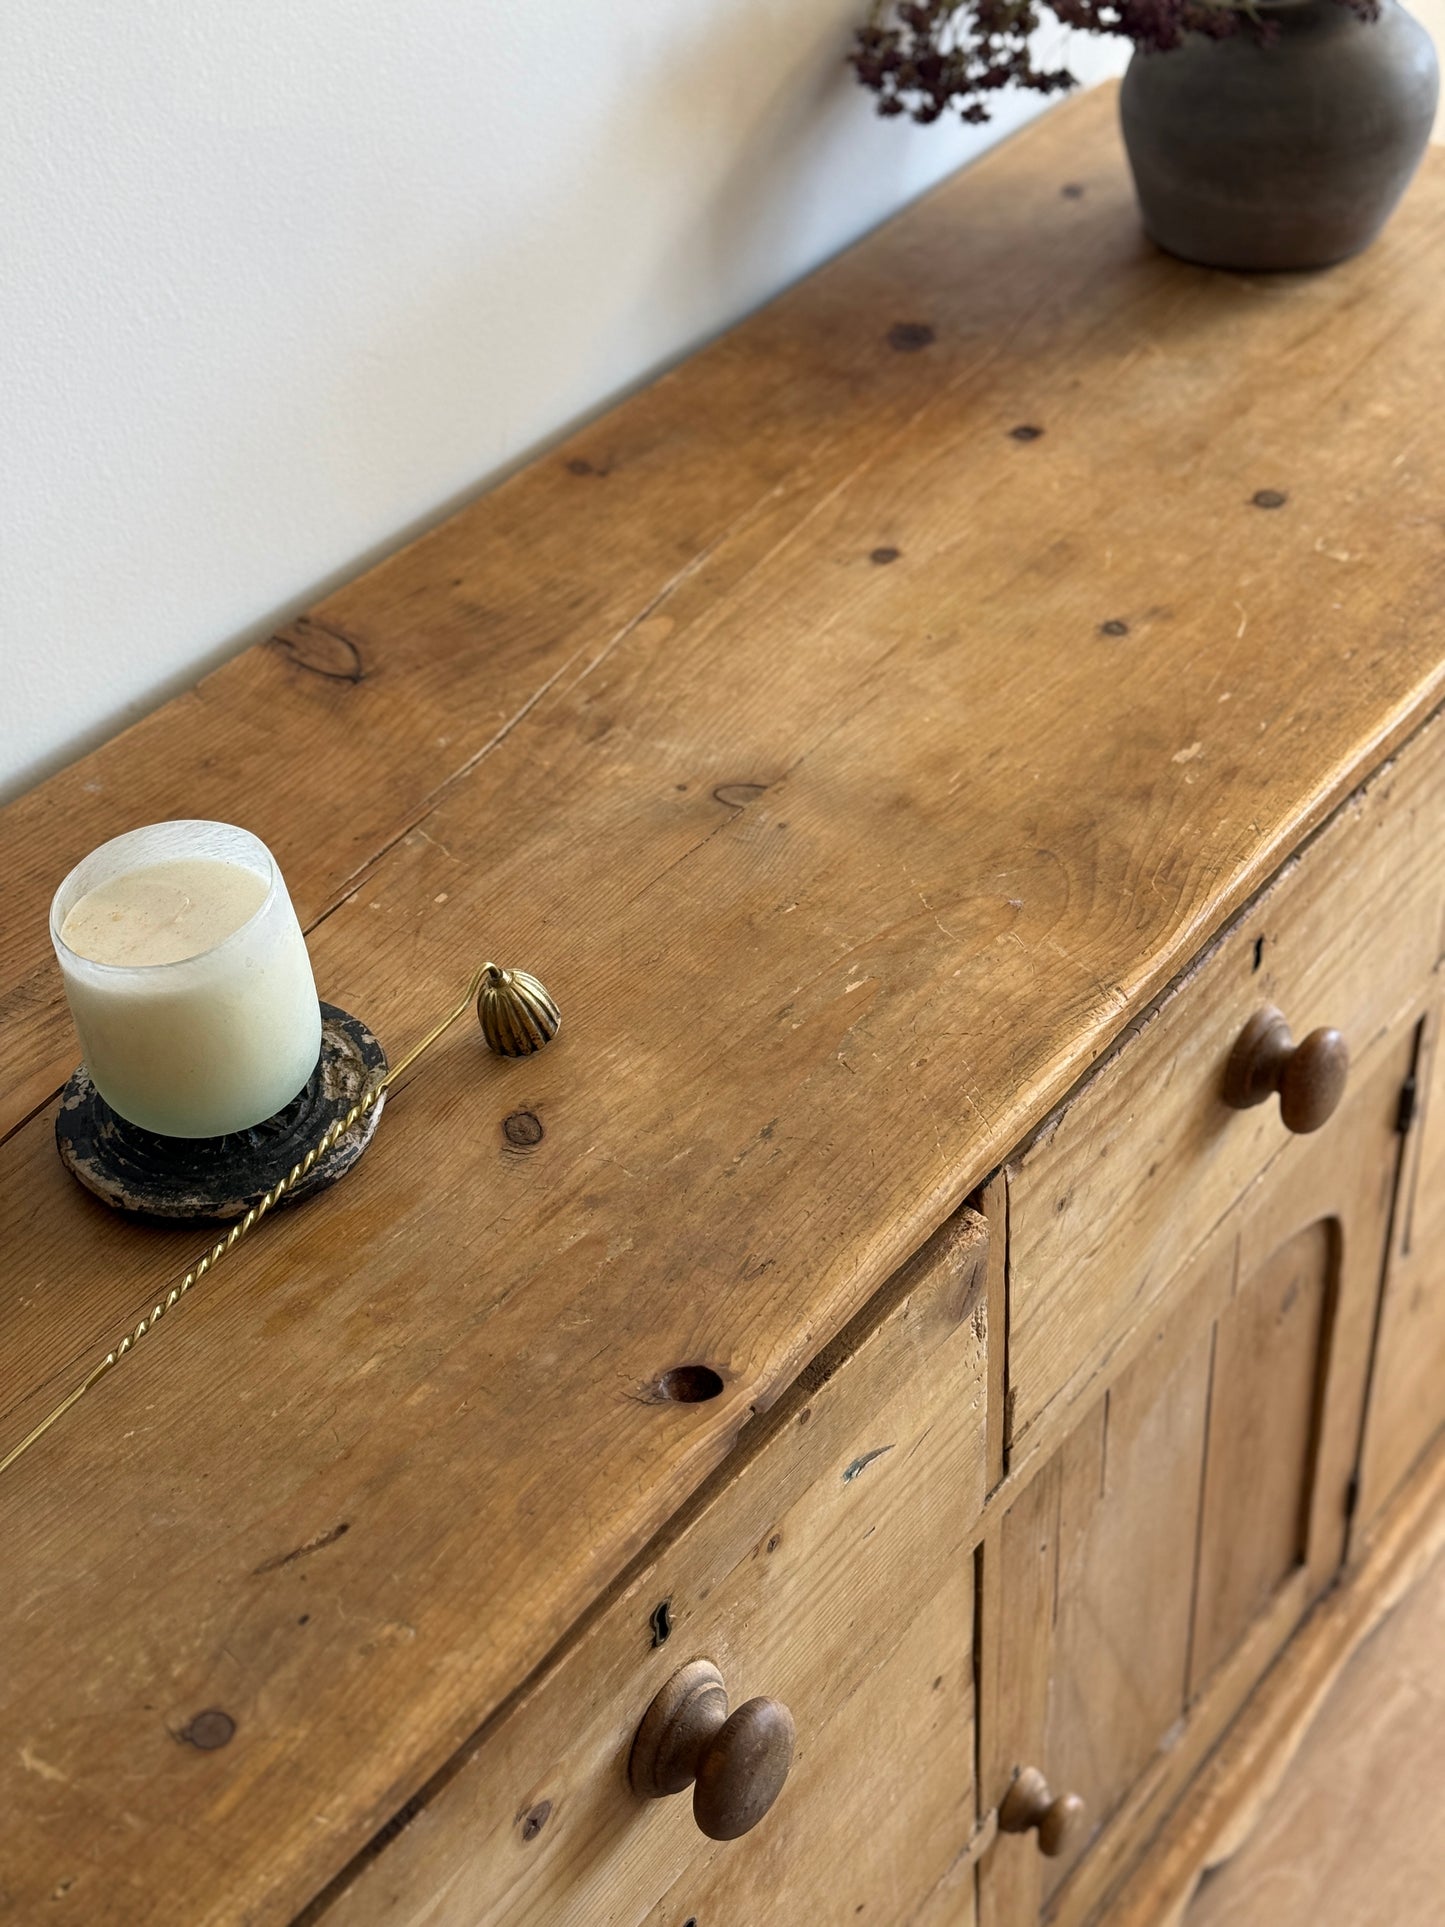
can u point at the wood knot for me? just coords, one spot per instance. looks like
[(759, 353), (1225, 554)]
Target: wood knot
[(323, 650), (1113, 627), (209, 1730), (523, 1129), (907, 337), (535, 1819), (1025, 432), (1269, 498), (737, 796), (684, 1385), (884, 556)]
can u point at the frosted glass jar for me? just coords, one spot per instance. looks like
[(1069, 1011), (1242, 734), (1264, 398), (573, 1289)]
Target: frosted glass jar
[(216, 1042)]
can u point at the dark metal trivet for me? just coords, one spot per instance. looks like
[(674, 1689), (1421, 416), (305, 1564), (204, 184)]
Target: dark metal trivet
[(210, 1180)]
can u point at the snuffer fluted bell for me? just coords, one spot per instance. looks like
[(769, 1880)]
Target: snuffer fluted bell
[(517, 1016)]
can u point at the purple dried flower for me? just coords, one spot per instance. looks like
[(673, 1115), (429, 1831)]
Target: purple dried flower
[(921, 56)]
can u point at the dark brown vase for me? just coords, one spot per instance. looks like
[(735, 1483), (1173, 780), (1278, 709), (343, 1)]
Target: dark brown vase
[(1287, 155)]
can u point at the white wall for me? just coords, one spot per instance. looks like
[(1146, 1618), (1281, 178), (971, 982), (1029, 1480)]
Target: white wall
[(281, 283)]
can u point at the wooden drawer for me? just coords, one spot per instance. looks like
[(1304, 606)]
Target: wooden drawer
[(1126, 1179), (826, 1565)]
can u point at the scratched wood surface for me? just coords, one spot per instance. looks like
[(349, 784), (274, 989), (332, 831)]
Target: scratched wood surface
[(1194, 1513), (1122, 1185), (856, 731), (804, 1572)]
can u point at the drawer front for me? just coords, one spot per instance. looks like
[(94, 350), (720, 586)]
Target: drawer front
[(1127, 1179), (828, 1567)]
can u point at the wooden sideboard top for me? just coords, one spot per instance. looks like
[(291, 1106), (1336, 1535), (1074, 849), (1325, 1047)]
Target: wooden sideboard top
[(855, 730)]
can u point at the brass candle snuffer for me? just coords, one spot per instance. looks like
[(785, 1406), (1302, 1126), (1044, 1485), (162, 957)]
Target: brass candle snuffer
[(517, 1018)]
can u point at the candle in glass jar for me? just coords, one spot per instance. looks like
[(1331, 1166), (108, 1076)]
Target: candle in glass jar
[(188, 978)]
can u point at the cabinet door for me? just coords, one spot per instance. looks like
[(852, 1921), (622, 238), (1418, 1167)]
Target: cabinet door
[(1407, 1389), (1142, 1581)]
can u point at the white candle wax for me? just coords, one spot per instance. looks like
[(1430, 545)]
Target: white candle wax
[(188, 978)]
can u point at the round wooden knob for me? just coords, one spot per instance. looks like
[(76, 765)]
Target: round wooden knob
[(735, 1763), (1309, 1076), (1028, 1805)]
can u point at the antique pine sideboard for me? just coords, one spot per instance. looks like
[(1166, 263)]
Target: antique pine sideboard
[(916, 740)]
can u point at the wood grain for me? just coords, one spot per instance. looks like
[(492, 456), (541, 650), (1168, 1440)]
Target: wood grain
[(992, 1202), (1407, 1393), (1233, 1793), (870, 1838), (828, 1563), (953, 1902), (1017, 1594), (1125, 1182), (1127, 1530), (1269, 1538), (1271, 1347), (1340, 1840), (1139, 1613), (843, 873), (346, 730)]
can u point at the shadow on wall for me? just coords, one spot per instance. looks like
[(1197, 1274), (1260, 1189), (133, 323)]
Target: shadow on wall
[(627, 272), (338, 285)]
